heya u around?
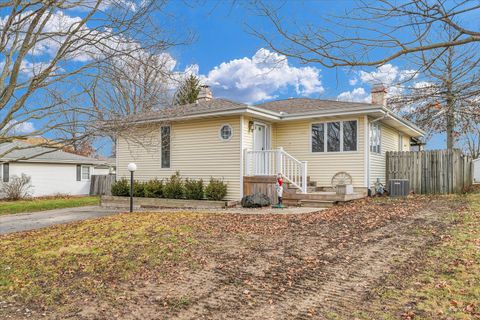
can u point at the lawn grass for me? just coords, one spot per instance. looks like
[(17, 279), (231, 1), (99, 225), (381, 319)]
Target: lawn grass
[(446, 285), (9, 207), (49, 267)]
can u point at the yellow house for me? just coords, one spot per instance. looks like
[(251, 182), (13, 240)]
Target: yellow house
[(306, 140)]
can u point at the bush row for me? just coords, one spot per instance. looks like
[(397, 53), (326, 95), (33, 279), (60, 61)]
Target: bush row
[(173, 188)]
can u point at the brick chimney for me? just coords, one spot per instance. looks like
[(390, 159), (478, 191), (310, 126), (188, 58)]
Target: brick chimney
[(379, 95), (205, 93)]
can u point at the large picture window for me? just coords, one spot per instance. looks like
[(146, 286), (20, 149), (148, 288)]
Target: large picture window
[(165, 146), (336, 136), (375, 138)]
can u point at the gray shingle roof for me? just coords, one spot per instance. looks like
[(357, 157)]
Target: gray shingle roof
[(305, 105), (283, 109), (172, 112), (25, 152)]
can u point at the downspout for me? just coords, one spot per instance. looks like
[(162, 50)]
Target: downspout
[(368, 125), (242, 154)]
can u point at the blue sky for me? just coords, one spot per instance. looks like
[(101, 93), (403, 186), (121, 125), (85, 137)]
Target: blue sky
[(239, 66), (223, 38)]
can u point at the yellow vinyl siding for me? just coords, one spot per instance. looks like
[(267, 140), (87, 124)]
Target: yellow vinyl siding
[(197, 152), (389, 142), (294, 137)]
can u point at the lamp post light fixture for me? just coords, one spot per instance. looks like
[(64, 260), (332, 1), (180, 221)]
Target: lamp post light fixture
[(132, 167)]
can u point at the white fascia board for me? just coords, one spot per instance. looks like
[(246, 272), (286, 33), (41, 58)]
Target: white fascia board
[(54, 161), (404, 122), (327, 114)]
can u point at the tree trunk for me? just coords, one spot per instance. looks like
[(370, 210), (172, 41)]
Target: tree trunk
[(450, 130)]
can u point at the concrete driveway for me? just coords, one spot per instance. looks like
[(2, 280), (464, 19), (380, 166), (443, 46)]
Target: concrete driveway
[(34, 220)]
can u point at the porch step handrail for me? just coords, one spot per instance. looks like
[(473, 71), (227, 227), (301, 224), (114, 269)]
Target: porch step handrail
[(272, 162)]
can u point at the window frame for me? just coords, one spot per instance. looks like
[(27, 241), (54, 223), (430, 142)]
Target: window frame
[(378, 126), (220, 132), (170, 148), (400, 141), (325, 136), (89, 172)]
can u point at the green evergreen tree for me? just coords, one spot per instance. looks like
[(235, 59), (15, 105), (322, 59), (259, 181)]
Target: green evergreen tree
[(188, 91)]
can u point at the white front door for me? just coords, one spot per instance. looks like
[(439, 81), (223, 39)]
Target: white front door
[(260, 137), (259, 145)]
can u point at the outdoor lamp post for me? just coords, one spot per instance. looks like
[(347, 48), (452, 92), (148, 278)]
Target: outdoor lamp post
[(131, 167)]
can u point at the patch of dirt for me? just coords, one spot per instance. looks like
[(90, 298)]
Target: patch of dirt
[(283, 267)]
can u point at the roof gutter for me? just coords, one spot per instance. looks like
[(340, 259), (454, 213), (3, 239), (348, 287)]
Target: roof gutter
[(393, 116), (272, 115)]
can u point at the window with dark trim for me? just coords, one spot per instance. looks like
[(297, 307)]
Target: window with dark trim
[(6, 172), (336, 136), (165, 146)]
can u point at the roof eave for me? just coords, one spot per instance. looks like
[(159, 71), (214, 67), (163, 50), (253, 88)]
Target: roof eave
[(404, 122)]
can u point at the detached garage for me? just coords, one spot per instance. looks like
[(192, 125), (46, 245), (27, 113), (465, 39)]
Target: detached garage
[(52, 171)]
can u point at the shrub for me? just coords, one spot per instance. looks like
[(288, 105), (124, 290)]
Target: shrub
[(153, 189), (121, 188), (216, 189), (17, 188), (138, 189), (194, 189), (173, 188)]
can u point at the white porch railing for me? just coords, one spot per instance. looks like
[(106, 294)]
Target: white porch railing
[(272, 162)]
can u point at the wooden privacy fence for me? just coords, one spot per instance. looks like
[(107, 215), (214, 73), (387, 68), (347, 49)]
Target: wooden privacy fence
[(101, 185), (438, 171)]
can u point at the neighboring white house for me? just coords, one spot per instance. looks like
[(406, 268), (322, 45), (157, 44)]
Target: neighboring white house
[(476, 170), (303, 139), (105, 168), (52, 171)]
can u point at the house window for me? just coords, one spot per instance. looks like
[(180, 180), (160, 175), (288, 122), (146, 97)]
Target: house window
[(165, 146), (350, 136), (375, 138), (334, 136), (85, 172), (5, 174), (318, 137), (400, 142), (226, 132)]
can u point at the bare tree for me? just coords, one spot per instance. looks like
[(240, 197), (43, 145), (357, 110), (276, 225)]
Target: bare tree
[(398, 28), (437, 35), (470, 131), (47, 47), (442, 98)]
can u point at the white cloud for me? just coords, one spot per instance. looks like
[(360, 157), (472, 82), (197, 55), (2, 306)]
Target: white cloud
[(85, 44), (32, 68), (19, 128), (261, 77), (392, 77), (353, 81), (356, 95), (387, 74)]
